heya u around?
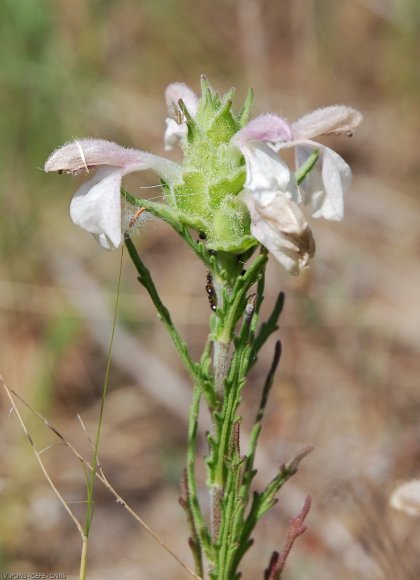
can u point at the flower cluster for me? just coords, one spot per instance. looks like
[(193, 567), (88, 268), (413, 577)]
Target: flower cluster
[(232, 185)]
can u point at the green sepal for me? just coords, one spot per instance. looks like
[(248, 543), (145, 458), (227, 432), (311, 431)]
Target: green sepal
[(223, 126), (245, 244), (243, 117), (230, 230), (222, 123), (193, 130), (168, 193), (230, 185), (190, 195), (217, 101), (206, 90)]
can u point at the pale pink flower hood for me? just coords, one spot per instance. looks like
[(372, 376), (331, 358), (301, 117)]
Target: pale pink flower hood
[(96, 205)]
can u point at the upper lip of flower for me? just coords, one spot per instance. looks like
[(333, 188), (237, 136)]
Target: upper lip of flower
[(85, 154), (96, 205), (332, 120)]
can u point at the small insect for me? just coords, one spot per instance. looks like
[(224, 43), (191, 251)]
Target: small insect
[(175, 113), (211, 294), (136, 217), (250, 307)]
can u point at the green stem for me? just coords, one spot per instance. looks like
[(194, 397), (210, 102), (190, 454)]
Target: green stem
[(220, 376), (230, 315), (220, 366), (234, 508), (237, 306), (239, 528), (83, 559)]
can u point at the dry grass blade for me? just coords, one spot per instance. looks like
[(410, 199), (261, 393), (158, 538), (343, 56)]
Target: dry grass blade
[(99, 474), (63, 502)]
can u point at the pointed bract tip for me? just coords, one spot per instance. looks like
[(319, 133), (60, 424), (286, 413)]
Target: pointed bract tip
[(246, 109), (205, 85)]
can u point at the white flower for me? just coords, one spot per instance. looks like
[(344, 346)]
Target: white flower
[(264, 169), (271, 194), (278, 224), (270, 182), (176, 126), (323, 189), (326, 184), (406, 497), (96, 205), (331, 177)]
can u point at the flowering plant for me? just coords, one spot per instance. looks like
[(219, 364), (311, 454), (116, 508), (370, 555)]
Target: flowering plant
[(236, 191)]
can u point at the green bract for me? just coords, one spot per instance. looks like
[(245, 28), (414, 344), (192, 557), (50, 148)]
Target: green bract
[(213, 173)]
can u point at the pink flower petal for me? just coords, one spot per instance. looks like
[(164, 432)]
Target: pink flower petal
[(336, 120), (267, 127), (85, 154), (96, 206)]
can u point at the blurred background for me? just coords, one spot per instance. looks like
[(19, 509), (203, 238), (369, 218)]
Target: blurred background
[(348, 381)]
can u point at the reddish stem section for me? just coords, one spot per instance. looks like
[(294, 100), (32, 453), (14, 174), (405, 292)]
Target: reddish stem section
[(295, 529)]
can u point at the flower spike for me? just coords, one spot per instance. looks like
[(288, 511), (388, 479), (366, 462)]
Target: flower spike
[(232, 185)]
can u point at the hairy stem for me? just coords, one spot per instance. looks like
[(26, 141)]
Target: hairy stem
[(220, 366)]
